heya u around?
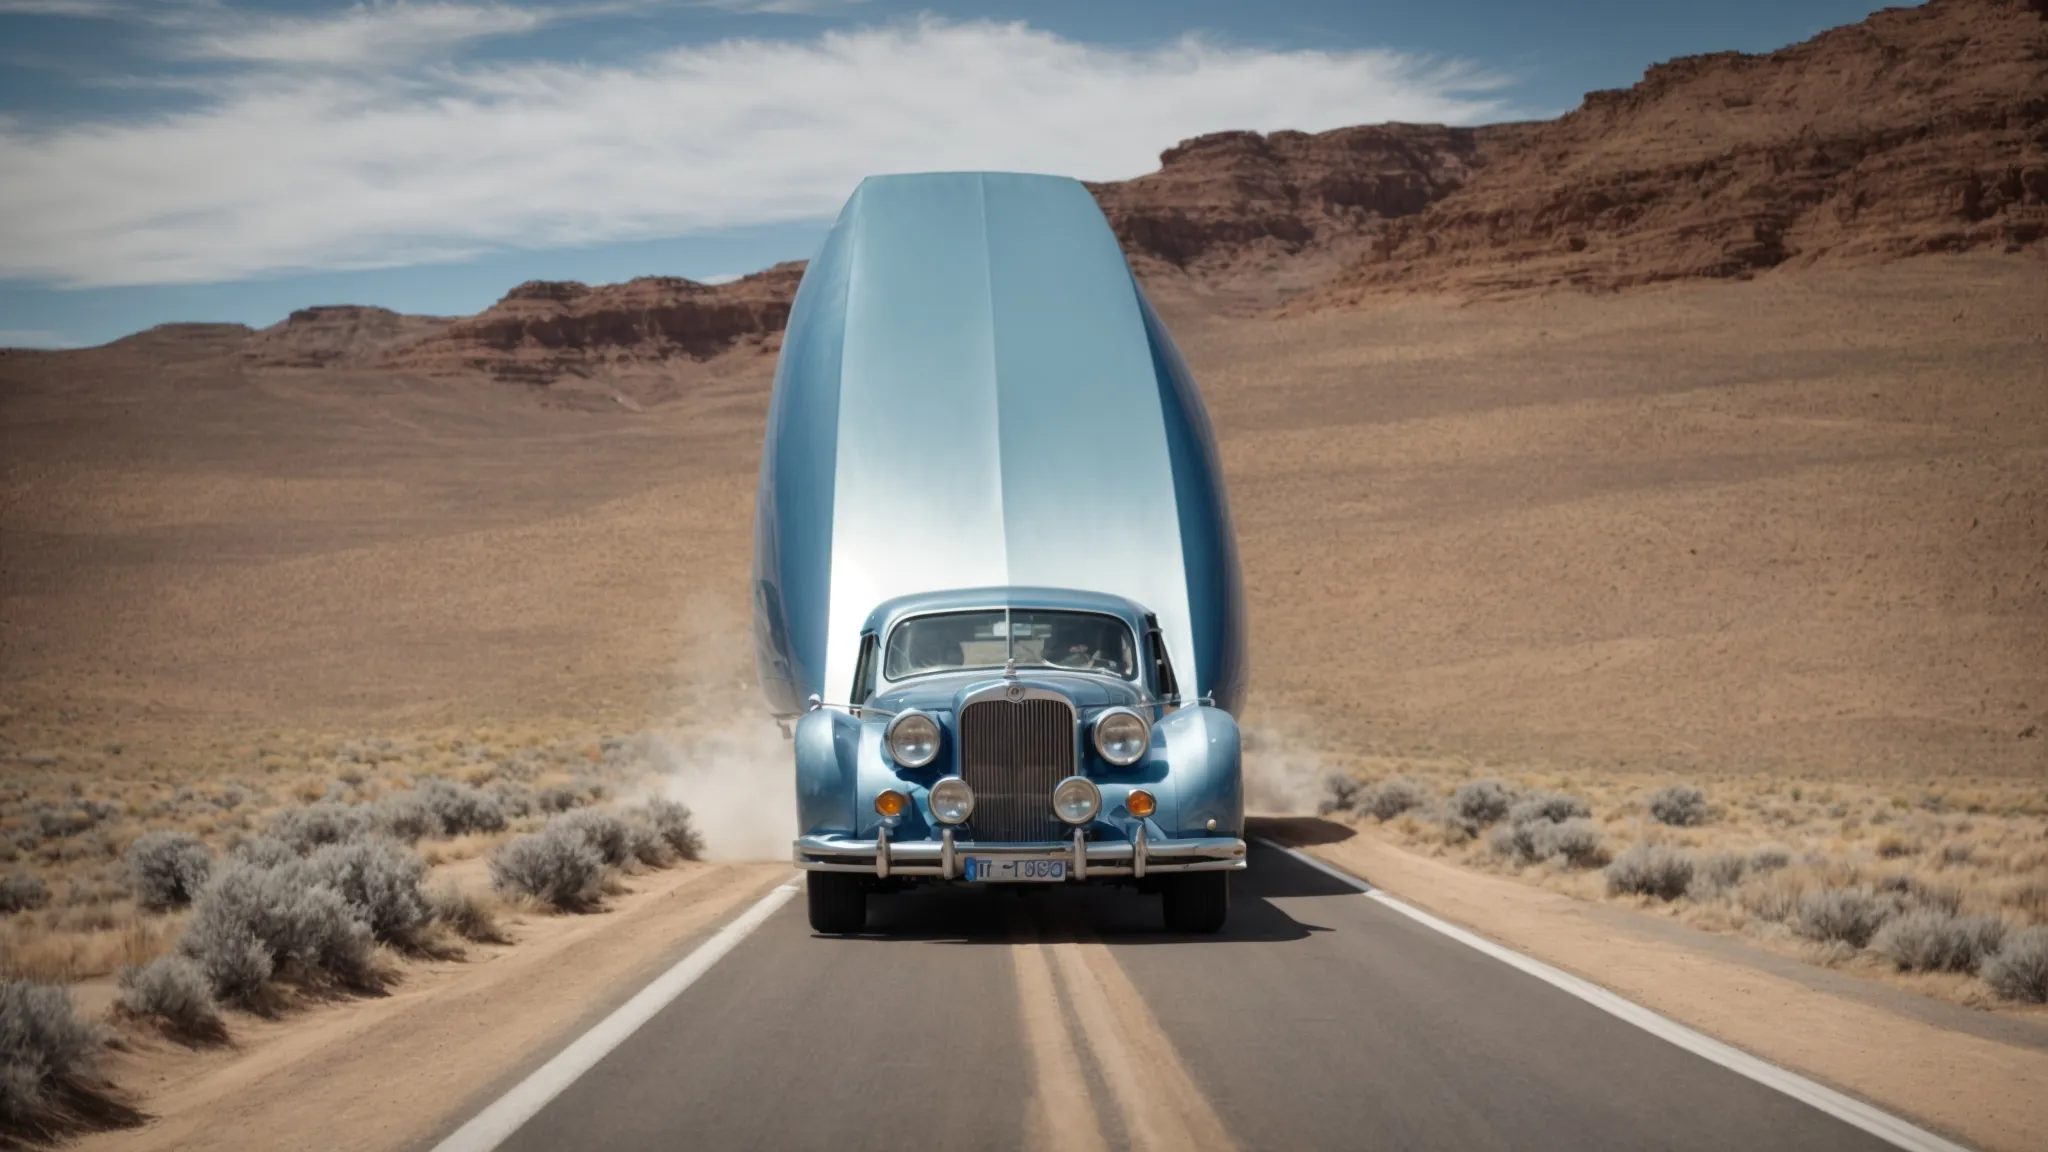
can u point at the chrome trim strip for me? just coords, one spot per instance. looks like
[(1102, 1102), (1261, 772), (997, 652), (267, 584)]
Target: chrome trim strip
[(1093, 860), (947, 864), (1097, 872), (1138, 853)]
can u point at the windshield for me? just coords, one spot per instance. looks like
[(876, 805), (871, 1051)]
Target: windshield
[(1085, 641)]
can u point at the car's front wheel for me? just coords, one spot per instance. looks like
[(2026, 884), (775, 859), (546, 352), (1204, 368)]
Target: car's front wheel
[(1197, 901), (839, 905)]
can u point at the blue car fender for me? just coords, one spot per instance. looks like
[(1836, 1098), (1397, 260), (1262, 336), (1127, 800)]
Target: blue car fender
[(1205, 762), (827, 770)]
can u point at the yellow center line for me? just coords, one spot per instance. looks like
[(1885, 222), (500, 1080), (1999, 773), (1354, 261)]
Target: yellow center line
[(1061, 1116), (1161, 1105)]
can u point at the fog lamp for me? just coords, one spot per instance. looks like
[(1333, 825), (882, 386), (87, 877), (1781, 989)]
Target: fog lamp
[(890, 802), (952, 801), (1141, 803), (1076, 800)]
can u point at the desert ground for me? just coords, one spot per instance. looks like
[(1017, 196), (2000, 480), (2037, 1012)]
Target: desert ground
[(1782, 539), (1789, 526)]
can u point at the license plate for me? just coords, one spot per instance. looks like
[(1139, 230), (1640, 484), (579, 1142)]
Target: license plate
[(1044, 870)]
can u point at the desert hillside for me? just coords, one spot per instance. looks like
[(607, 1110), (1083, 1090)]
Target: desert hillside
[(1918, 131), (1794, 520)]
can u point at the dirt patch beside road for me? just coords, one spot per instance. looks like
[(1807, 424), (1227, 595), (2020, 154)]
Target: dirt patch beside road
[(396, 1072)]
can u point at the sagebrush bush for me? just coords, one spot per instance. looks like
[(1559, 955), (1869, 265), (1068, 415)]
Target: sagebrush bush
[(672, 823), (565, 797), (1340, 793), (175, 992), (466, 914), (1936, 940), (2019, 969), (49, 1085), (1717, 873), (1483, 801), (513, 797), (1771, 896), (167, 868), (605, 832), (23, 892), (1681, 806), (1551, 807), (460, 809), (406, 816), (1391, 797), (1658, 870), (1770, 858), (556, 866), (263, 852), (324, 822), (1851, 914), (1577, 843), (297, 920), (381, 880)]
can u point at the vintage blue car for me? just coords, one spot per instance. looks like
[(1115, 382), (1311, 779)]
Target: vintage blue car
[(996, 586)]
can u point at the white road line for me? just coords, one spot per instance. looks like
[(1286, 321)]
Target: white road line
[(490, 1127), (1848, 1109)]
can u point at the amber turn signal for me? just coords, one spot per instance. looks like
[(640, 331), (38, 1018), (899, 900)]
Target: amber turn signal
[(891, 803), (1141, 803)]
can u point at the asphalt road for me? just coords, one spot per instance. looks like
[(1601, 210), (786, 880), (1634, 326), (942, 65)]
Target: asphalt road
[(1065, 1019)]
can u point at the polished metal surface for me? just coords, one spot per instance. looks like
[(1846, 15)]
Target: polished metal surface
[(1013, 752), (1094, 859), (968, 368)]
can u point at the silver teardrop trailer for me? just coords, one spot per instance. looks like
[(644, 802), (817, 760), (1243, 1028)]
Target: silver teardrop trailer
[(996, 589)]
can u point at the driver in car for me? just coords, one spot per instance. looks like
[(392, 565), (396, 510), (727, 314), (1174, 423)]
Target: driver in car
[(1076, 645)]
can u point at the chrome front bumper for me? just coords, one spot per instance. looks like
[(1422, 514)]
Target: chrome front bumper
[(1089, 859)]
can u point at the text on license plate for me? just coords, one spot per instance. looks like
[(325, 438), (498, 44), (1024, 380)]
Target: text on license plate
[(1043, 870)]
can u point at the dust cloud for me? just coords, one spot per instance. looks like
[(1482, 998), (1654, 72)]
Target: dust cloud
[(719, 752), (1283, 773)]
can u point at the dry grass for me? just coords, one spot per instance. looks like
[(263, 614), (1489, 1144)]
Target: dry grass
[(68, 817), (1811, 868)]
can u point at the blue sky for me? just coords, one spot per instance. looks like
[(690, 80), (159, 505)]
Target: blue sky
[(170, 160)]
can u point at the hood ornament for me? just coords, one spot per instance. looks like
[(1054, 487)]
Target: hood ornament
[(1010, 669)]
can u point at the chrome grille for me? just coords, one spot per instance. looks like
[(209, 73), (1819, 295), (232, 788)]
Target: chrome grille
[(1012, 753)]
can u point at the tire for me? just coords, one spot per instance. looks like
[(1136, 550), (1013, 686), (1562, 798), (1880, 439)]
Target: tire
[(838, 903), (1197, 902)]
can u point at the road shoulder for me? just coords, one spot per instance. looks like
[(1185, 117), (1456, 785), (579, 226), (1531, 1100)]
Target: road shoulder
[(400, 1070), (1975, 1083)]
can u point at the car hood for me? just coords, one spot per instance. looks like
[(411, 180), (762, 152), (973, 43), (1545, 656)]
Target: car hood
[(941, 692)]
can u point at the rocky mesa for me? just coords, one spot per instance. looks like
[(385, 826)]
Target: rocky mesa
[(1920, 130)]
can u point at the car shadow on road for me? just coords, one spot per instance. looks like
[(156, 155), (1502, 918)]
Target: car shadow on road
[(1009, 914)]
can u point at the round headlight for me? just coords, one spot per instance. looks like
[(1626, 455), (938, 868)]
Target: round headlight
[(913, 739), (1076, 800), (952, 801), (1122, 736)]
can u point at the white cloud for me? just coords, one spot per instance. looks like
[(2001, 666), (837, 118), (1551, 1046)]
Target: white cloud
[(75, 8), (366, 34), (779, 7), (291, 169)]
